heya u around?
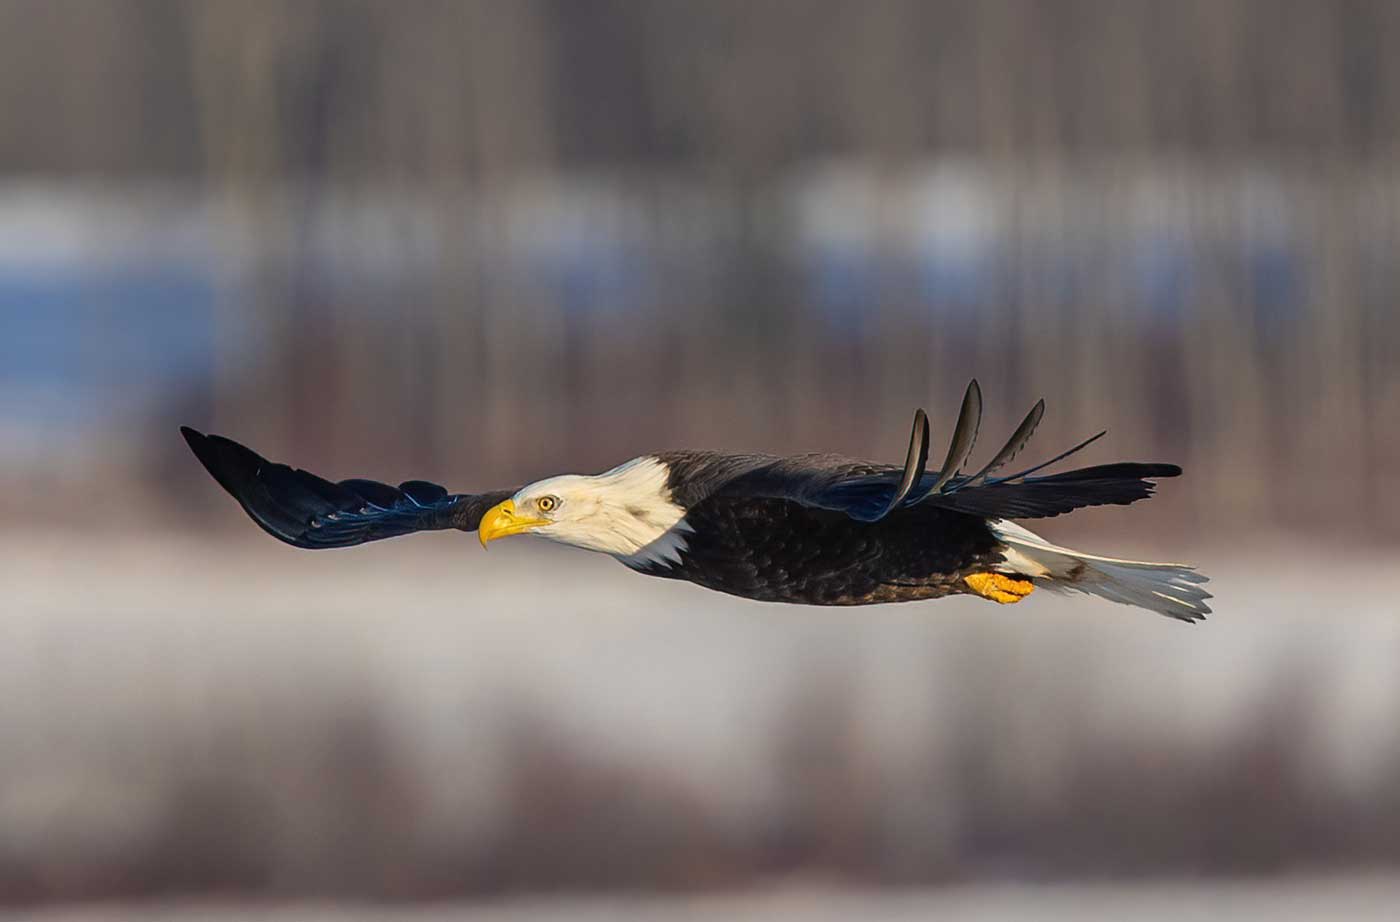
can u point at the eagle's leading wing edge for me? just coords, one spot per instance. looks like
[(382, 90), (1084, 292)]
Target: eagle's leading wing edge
[(308, 511)]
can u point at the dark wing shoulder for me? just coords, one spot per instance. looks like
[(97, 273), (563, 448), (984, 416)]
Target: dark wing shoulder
[(809, 479), (308, 511), (868, 492)]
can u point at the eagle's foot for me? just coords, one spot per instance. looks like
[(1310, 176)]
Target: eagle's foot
[(998, 587)]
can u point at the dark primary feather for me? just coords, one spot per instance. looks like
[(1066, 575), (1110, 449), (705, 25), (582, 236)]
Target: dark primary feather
[(964, 437), (914, 464), (1055, 460), (959, 447), (308, 511), (1013, 445)]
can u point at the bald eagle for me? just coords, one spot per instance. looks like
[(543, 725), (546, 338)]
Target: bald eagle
[(813, 529)]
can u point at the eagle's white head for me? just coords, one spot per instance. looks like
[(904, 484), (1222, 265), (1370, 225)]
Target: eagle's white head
[(626, 512)]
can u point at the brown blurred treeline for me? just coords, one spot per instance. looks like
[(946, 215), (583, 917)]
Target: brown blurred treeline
[(439, 88), (614, 226)]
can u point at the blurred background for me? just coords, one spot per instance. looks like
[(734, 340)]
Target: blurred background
[(484, 242)]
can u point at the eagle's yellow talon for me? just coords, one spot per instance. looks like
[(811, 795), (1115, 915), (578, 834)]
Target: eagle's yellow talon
[(999, 587)]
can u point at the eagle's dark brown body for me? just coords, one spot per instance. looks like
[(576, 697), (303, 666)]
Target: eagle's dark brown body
[(779, 551)]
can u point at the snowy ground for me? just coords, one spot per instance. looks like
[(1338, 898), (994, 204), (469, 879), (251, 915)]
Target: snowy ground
[(422, 717), (1345, 899)]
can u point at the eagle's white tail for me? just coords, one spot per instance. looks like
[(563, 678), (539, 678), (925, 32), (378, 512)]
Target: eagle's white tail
[(1170, 589)]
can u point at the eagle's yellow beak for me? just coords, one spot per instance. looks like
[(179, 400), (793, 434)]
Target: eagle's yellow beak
[(501, 520)]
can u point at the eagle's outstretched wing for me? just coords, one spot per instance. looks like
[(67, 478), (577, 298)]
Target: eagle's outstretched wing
[(308, 511), (869, 493)]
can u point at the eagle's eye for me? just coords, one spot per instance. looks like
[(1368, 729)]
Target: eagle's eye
[(547, 503)]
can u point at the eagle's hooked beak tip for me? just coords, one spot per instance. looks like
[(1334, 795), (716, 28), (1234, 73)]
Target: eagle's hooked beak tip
[(501, 520), (496, 522)]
